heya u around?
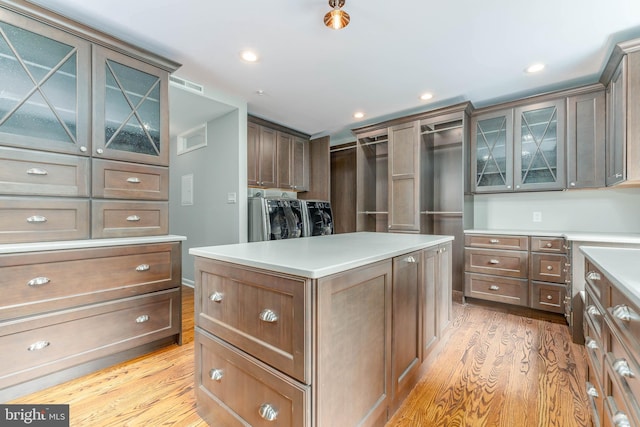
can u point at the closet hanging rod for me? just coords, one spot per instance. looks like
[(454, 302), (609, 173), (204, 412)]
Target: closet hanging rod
[(374, 142), (427, 132), (351, 147), (374, 212), (441, 213)]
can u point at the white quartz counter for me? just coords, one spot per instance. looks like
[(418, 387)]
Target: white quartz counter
[(574, 236), (88, 243), (621, 265), (320, 256)]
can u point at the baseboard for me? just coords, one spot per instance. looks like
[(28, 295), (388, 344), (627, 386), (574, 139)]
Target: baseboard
[(458, 296)]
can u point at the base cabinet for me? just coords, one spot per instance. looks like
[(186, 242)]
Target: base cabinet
[(357, 337)]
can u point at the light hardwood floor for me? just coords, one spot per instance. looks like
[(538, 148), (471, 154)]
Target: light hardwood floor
[(495, 369)]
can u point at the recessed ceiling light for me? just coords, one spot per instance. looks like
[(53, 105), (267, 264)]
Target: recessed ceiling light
[(249, 56), (260, 92), (358, 115), (426, 96), (534, 68)]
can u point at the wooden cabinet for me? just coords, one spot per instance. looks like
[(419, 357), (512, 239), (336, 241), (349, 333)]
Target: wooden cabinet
[(277, 157), (404, 178), (492, 151), (436, 299), (586, 140), (617, 125)]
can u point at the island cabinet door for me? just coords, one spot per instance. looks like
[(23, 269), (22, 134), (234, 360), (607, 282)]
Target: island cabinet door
[(407, 328), (352, 381)]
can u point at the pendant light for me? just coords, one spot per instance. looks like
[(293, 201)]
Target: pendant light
[(337, 18)]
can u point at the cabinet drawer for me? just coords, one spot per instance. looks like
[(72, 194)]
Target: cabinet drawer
[(35, 173), (502, 263), (47, 343), (622, 386), (128, 219), (45, 281), (518, 243), (120, 180), (233, 389), (264, 314), (594, 318), (25, 220), (626, 318), (595, 395), (597, 283), (496, 288), (548, 244), (548, 267), (548, 297)]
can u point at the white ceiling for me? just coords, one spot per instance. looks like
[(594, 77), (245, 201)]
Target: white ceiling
[(315, 78)]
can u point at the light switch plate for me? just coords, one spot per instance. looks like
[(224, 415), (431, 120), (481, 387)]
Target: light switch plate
[(537, 217), (231, 198)]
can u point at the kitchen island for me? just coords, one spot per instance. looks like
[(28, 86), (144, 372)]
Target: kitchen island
[(319, 331)]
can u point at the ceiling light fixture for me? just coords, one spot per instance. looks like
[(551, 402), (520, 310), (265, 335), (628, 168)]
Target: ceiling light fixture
[(534, 68), (358, 115), (426, 96), (249, 56), (337, 18)]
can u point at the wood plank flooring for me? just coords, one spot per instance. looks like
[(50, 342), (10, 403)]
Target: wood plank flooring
[(495, 369)]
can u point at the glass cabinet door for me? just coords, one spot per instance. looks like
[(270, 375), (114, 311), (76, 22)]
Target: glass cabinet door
[(130, 119), (44, 87), (493, 150), (539, 146)]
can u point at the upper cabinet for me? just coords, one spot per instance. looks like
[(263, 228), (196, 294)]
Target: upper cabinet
[(45, 88), (492, 149), (130, 109), (616, 125), (404, 177)]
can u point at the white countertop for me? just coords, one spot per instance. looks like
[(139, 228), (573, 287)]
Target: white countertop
[(621, 266), (88, 243), (320, 256), (574, 236)]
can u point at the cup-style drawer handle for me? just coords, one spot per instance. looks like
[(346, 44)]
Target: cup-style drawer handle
[(268, 316), (37, 171), (268, 412), (410, 259), (622, 368), (143, 267), (216, 374), (38, 345), (593, 311), (620, 419), (494, 288), (494, 261), (592, 275), (133, 218), (36, 219), (134, 180), (549, 267), (591, 344), (494, 241), (142, 319), (591, 390), (216, 296), (624, 313), (38, 281)]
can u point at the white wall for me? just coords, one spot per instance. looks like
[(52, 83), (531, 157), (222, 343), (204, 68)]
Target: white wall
[(602, 210)]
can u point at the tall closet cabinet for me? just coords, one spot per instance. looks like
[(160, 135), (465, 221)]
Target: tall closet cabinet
[(411, 177)]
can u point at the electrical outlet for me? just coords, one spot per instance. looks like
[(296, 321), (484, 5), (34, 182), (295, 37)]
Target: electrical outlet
[(537, 217)]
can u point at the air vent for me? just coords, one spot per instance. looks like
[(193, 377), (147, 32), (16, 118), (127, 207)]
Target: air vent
[(186, 84)]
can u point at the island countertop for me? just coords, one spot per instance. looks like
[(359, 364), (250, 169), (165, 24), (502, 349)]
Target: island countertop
[(621, 267), (319, 256)]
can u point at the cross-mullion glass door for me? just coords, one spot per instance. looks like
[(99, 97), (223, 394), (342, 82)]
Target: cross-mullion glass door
[(491, 139)]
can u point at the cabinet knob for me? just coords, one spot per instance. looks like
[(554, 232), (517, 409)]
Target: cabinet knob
[(100, 151), (216, 296), (572, 184), (494, 288), (38, 281), (38, 345), (216, 374), (268, 412), (268, 316), (508, 187), (517, 186), (83, 149), (549, 267), (549, 244), (549, 297)]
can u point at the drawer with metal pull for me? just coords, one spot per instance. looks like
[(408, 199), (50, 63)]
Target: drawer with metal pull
[(548, 244), (547, 296), (593, 326), (595, 395), (265, 314), (232, 386), (39, 345), (38, 282), (548, 267), (502, 263), (128, 218), (500, 289), (626, 318), (120, 180), (623, 383), (25, 219), (37, 173), (597, 283), (517, 243)]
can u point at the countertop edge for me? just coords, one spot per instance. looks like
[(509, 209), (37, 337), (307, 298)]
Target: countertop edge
[(621, 279), (88, 243), (574, 236)]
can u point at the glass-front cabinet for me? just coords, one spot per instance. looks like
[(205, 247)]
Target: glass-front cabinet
[(521, 148), (44, 87), (130, 117)]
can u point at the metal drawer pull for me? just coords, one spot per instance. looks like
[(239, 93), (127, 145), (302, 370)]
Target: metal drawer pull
[(36, 219), (216, 296), (38, 281), (142, 319), (549, 245), (38, 345), (591, 390), (494, 241), (592, 275), (268, 316), (494, 288), (216, 374), (620, 420), (37, 171), (549, 267), (143, 267), (593, 311), (133, 218), (622, 368), (591, 344), (268, 412), (494, 261), (134, 180), (624, 313), (410, 259)]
